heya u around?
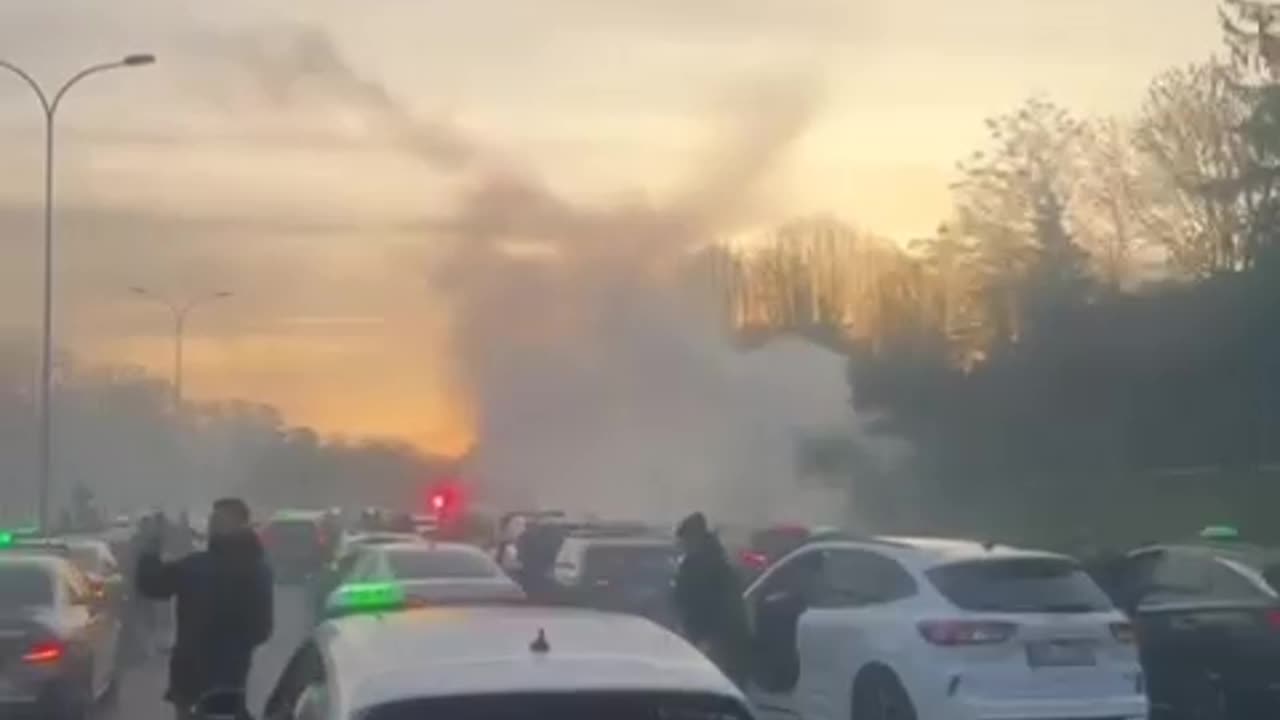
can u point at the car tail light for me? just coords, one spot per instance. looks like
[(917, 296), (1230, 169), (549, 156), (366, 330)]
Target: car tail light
[(950, 633), (44, 653), (1124, 633), (754, 560), (1272, 618)]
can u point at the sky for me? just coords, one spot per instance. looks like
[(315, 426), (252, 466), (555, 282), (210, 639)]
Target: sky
[(304, 155)]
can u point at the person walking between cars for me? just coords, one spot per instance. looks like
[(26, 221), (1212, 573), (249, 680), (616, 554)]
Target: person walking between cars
[(708, 599), (224, 605)]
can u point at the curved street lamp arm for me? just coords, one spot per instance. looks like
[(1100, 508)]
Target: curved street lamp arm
[(30, 81), (91, 70)]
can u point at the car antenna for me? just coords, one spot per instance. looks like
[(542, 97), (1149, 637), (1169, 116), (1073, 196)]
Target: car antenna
[(540, 644)]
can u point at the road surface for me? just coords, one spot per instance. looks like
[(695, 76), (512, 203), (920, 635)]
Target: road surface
[(142, 687)]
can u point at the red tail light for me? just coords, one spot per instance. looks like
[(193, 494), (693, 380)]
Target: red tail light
[(754, 560), (1124, 633), (1272, 618), (950, 633), (44, 653)]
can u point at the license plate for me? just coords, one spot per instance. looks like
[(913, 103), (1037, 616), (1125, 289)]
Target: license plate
[(1060, 653)]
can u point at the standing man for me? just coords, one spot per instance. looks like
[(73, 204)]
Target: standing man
[(708, 599), (224, 605)]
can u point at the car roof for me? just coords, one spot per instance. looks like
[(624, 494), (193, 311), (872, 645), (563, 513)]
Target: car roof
[(85, 541), (51, 563), (427, 546), (620, 541), (925, 552), (382, 537), (1258, 556), (450, 651), (297, 515)]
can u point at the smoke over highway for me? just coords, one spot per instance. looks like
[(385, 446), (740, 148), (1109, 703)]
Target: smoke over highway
[(587, 335)]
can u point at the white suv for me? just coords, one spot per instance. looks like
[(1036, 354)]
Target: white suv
[(907, 628)]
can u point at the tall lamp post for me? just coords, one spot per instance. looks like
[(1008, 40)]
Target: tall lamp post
[(49, 104), (180, 313)]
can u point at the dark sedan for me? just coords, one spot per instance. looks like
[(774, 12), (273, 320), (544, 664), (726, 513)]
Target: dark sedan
[(1207, 617), (57, 639)]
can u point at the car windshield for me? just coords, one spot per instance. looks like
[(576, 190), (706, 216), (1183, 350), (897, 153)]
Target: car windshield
[(429, 564), (1035, 585), (639, 563), (292, 533), (566, 706), (24, 586)]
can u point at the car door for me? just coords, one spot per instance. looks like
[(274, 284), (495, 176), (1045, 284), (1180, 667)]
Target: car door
[(776, 667), (301, 693), (842, 630), (95, 632)]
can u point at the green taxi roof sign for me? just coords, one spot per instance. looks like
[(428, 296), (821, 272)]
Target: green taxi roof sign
[(367, 597), (1220, 532)]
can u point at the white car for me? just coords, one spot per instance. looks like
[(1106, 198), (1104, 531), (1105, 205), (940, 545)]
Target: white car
[(426, 573), (511, 663), (907, 628)]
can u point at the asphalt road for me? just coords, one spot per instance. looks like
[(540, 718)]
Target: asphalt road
[(142, 687)]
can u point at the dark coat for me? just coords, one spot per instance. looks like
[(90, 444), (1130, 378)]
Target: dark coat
[(708, 601), (224, 611)]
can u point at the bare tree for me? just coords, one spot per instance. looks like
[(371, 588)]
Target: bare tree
[(1187, 130)]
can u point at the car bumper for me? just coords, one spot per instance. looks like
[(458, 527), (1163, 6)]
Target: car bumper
[(1133, 707), (24, 699)]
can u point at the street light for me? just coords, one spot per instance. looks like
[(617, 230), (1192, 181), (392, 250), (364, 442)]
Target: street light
[(49, 104), (180, 313)]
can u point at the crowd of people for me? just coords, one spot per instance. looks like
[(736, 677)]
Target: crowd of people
[(218, 598)]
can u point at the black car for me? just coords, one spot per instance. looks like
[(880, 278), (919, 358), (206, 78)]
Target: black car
[(1207, 617), (58, 639), (298, 544), (630, 574)]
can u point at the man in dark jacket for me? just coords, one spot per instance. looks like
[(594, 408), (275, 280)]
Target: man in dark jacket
[(224, 605), (708, 599)]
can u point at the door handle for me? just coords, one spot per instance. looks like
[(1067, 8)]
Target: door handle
[(1184, 623)]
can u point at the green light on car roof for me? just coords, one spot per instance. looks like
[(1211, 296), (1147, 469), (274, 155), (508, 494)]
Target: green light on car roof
[(1220, 532), (6, 538), (364, 597)]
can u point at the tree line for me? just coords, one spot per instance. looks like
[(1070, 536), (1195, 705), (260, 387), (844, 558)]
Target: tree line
[(1099, 313), (118, 437)]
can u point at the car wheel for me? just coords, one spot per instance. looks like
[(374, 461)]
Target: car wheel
[(879, 695)]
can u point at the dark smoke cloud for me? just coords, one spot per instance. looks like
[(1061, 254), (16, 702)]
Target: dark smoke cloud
[(599, 382), (289, 65)]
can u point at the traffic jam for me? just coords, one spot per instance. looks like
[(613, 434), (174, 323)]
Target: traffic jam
[(539, 613)]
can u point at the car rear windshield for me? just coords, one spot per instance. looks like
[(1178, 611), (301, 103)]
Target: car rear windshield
[(565, 706), (621, 562), (293, 533), (1019, 585), (24, 586), (430, 564)]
